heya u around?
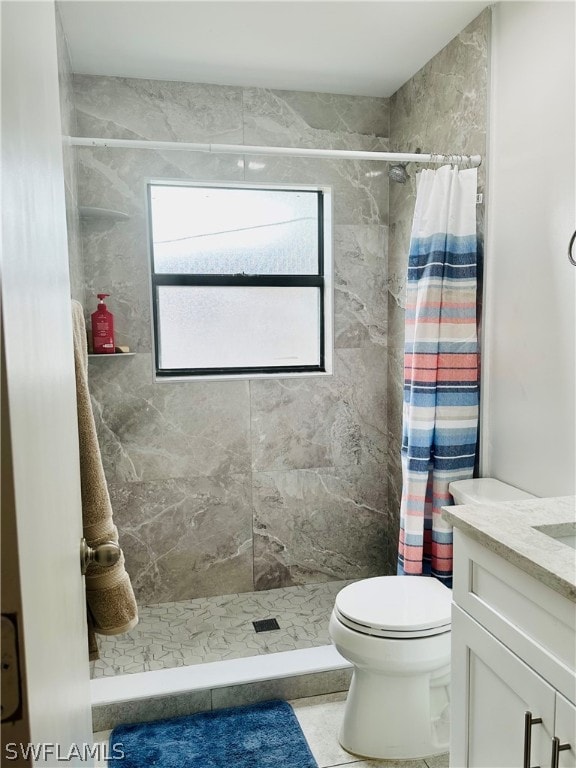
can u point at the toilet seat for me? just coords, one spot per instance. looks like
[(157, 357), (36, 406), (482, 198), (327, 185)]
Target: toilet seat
[(399, 607)]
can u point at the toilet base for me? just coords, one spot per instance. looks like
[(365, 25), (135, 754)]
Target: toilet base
[(404, 717)]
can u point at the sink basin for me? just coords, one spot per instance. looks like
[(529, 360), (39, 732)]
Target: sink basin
[(570, 540), (565, 533)]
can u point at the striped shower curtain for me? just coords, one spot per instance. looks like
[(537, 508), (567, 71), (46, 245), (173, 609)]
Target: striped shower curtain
[(440, 411)]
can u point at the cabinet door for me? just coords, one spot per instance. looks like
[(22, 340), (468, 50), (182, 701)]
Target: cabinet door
[(491, 692), (565, 730)]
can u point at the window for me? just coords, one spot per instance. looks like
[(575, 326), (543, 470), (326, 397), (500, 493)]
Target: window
[(240, 280)]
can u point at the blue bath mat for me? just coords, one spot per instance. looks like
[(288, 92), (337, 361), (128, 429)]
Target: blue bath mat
[(265, 735)]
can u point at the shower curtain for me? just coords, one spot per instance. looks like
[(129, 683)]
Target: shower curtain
[(440, 411)]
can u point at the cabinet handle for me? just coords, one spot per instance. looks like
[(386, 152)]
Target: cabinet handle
[(529, 721), (556, 749)]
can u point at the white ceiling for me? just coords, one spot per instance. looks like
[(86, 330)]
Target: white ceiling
[(335, 46)]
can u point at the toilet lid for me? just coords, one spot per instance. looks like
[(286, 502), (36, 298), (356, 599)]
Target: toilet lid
[(396, 605)]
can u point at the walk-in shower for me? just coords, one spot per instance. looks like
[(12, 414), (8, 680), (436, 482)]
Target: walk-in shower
[(254, 477)]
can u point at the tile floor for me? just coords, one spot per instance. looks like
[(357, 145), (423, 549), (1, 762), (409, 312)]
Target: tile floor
[(216, 628), (320, 718)]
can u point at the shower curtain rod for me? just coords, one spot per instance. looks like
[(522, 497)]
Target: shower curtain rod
[(241, 149)]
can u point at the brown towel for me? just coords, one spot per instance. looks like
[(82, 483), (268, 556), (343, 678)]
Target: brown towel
[(110, 599)]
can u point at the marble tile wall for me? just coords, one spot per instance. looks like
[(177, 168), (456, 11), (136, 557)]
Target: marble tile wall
[(442, 108), (68, 118), (232, 486)]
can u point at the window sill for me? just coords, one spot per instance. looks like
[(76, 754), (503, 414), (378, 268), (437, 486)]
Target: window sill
[(242, 377)]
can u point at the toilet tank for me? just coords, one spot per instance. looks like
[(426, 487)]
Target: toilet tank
[(482, 490)]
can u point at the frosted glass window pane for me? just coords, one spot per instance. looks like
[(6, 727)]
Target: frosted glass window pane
[(212, 230), (238, 327)]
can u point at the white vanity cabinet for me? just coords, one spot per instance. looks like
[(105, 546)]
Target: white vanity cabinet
[(513, 653)]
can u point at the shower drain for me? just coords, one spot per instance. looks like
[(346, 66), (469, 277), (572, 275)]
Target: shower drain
[(265, 625)]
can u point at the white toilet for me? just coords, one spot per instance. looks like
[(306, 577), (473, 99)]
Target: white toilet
[(481, 490), (395, 630)]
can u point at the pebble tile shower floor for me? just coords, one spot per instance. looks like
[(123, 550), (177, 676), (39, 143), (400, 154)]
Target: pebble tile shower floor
[(216, 628)]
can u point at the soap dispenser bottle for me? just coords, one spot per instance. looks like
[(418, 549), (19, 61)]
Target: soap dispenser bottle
[(103, 328)]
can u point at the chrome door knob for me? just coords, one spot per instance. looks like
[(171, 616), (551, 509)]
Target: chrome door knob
[(105, 554)]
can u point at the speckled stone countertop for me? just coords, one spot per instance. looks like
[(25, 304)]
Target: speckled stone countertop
[(522, 531)]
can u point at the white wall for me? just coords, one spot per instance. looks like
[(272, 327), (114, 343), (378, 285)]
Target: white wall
[(528, 380), (40, 385)]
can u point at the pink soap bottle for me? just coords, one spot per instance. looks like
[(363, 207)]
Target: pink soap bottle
[(103, 328)]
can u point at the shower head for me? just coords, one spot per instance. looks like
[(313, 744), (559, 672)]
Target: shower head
[(398, 173)]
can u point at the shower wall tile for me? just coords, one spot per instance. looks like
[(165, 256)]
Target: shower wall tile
[(395, 399), (396, 316), (324, 120), (402, 199), (394, 473), (300, 423), (360, 296), (325, 421), (133, 108), (319, 524), (289, 118), (155, 431), (452, 85), (360, 188), (116, 178), (184, 538)]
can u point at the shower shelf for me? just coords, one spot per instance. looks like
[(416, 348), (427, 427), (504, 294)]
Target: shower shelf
[(114, 354), (89, 212)]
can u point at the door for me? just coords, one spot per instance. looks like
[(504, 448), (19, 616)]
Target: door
[(491, 691), (40, 385), (565, 730)]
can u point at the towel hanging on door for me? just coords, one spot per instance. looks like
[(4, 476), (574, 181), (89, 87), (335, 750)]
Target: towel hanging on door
[(440, 411), (110, 600)]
